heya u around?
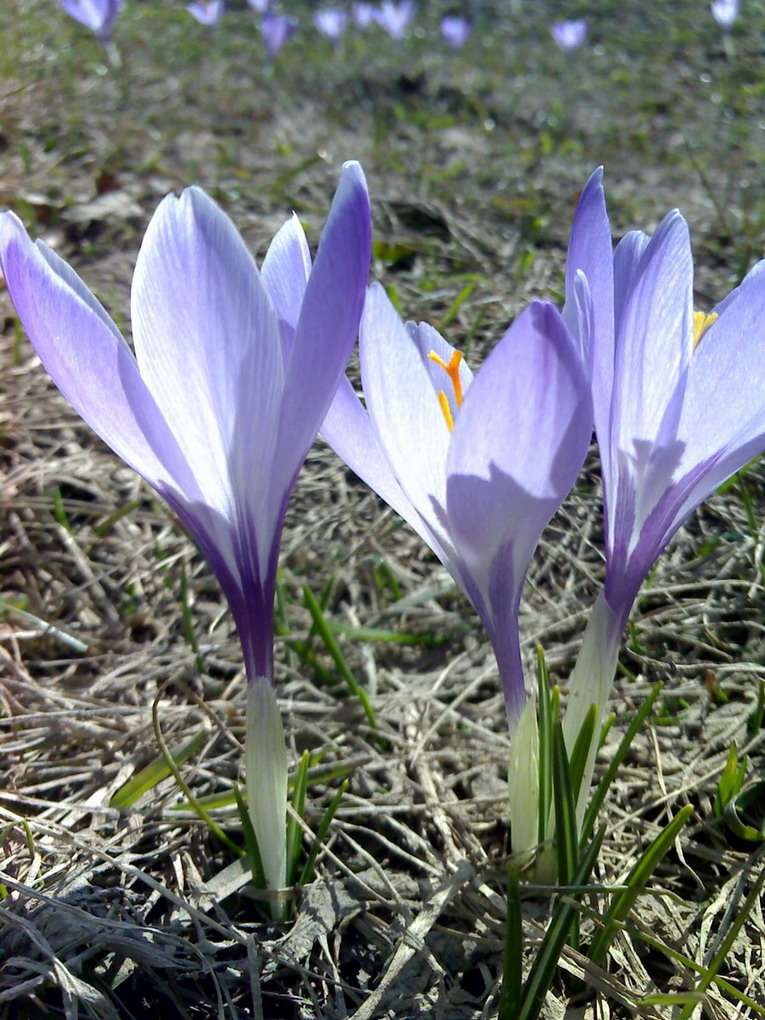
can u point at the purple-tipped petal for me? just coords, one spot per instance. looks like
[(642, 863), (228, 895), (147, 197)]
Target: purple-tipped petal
[(328, 322), (590, 251), (87, 358)]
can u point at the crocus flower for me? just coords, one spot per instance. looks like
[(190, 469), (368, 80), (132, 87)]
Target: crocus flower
[(477, 465), (97, 15), (261, 6), (276, 29), (725, 12), (395, 17), (232, 375), (455, 30), (207, 12), (569, 35), (331, 22), (679, 406), (363, 14)]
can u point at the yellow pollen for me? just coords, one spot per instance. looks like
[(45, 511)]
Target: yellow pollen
[(701, 323), (452, 369), (446, 410)]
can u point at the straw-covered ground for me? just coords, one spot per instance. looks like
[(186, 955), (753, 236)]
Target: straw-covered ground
[(111, 625)]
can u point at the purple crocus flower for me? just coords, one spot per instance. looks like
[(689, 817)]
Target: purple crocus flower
[(207, 12), (725, 12), (477, 465), (261, 6), (569, 35), (395, 17), (97, 15), (679, 406), (232, 375), (276, 29), (331, 22), (455, 30), (363, 14)]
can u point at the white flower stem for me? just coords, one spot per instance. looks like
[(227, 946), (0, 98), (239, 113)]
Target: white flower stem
[(265, 757), (590, 684)]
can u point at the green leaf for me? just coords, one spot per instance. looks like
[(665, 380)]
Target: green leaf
[(512, 973), (735, 813), (564, 804), (637, 879), (545, 744), (581, 750), (591, 814), (250, 841), (730, 782), (321, 835), (156, 771), (294, 830), (565, 914)]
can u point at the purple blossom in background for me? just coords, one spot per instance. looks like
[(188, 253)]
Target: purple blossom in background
[(679, 406), (331, 22), (569, 35), (276, 29), (261, 6), (476, 465), (363, 14), (395, 17), (455, 30), (232, 375), (207, 12), (97, 15), (725, 12)]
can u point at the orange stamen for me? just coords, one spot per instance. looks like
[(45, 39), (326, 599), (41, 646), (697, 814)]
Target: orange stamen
[(452, 369), (701, 323), (446, 410)]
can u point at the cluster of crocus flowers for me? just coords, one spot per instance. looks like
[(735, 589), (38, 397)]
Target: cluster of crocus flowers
[(231, 375), (476, 464)]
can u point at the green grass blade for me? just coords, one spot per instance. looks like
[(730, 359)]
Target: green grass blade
[(545, 744), (512, 973), (321, 834), (156, 771), (116, 515), (564, 805), (581, 750), (564, 917), (294, 830), (325, 633), (636, 881), (591, 814), (250, 841)]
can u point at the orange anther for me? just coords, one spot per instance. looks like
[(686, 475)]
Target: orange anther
[(452, 369)]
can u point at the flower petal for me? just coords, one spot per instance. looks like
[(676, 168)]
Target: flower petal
[(87, 358), (654, 335), (328, 322), (404, 409), (284, 274), (517, 447), (207, 343)]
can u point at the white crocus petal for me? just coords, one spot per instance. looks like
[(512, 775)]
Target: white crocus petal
[(207, 342), (265, 762), (523, 783), (404, 408)]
